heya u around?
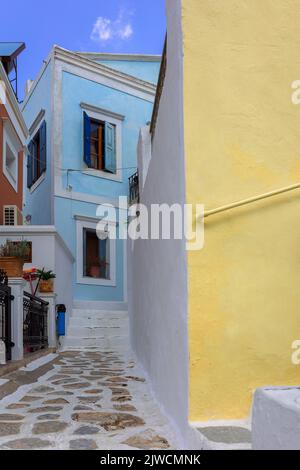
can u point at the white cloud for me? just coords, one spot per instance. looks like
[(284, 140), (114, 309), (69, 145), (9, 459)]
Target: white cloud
[(102, 30), (126, 32), (106, 29)]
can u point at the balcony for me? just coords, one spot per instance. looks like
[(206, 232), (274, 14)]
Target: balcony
[(134, 191)]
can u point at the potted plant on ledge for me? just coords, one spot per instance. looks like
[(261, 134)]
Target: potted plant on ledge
[(45, 281), (12, 256)]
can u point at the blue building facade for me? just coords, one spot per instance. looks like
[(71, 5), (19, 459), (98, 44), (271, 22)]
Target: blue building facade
[(84, 113)]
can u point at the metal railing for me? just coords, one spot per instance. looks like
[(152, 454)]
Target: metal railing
[(5, 314), (134, 191), (35, 324)]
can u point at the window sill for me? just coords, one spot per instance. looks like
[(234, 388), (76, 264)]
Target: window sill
[(104, 175), (96, 282), (37, 183)]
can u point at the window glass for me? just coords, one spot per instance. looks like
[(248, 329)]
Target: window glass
[(11, 162), (94, 129), (94, 147), (95, 255), (97, 145), (37, 157)]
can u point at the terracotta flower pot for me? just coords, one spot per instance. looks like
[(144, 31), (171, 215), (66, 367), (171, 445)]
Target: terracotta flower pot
[(12, 265), (95, 271), (46, 287)]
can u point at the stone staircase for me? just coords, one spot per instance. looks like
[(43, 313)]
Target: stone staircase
[(102, 329)]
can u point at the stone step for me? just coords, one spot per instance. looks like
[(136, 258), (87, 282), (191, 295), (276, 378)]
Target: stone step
[(97, 328), (101, 322), (98, 314), (107, 306), (111, 342), (96, 331), (124, 350), (225, 437)]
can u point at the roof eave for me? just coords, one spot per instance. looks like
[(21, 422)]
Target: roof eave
[(121, 57), (13, 100)]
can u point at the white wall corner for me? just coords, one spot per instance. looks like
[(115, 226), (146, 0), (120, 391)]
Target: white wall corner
[(276, 418), (17, 286), (52, 337), (144, 155)]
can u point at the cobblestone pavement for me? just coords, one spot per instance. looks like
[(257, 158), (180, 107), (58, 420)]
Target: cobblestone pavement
[(84, 400)]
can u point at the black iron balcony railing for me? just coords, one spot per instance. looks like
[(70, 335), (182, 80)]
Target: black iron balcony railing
[(35, 324), (134, 192), (5, 314)]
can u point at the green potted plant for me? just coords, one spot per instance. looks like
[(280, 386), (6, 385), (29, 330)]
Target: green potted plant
[(12, 256), (45, 281)]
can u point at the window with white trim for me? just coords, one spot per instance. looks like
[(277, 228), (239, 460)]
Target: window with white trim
[(11, 161), (102, 144), (11, 149), (96, 255)]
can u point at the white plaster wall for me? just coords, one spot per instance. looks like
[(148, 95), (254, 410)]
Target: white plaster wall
[(43, 243), (157, 277), (49, 252), (144, 154), (276, 419), (64, 282)]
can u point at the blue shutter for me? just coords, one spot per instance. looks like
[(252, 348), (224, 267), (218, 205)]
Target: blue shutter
[(30, 165), (110, 148), (34, 154), (87, 140), (43, 147)]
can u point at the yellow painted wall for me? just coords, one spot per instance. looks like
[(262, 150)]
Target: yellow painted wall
[(242, 138)]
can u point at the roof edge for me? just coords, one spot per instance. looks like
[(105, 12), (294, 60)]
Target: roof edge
[(124, 57), (60, 53)]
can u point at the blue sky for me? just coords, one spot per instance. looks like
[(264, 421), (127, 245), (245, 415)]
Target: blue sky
[(134, 26)]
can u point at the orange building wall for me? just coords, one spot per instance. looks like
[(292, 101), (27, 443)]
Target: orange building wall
[(8, 195)]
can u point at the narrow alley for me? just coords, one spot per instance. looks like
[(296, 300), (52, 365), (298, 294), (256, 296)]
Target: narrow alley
[(81, 400)]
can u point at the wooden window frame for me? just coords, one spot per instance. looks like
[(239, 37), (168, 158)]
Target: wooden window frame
[(103, 116), (100, 140), (112, 255), (97, 258)]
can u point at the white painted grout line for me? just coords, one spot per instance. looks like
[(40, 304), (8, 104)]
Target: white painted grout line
[(22, 391), (38, 363), (147, 409)]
